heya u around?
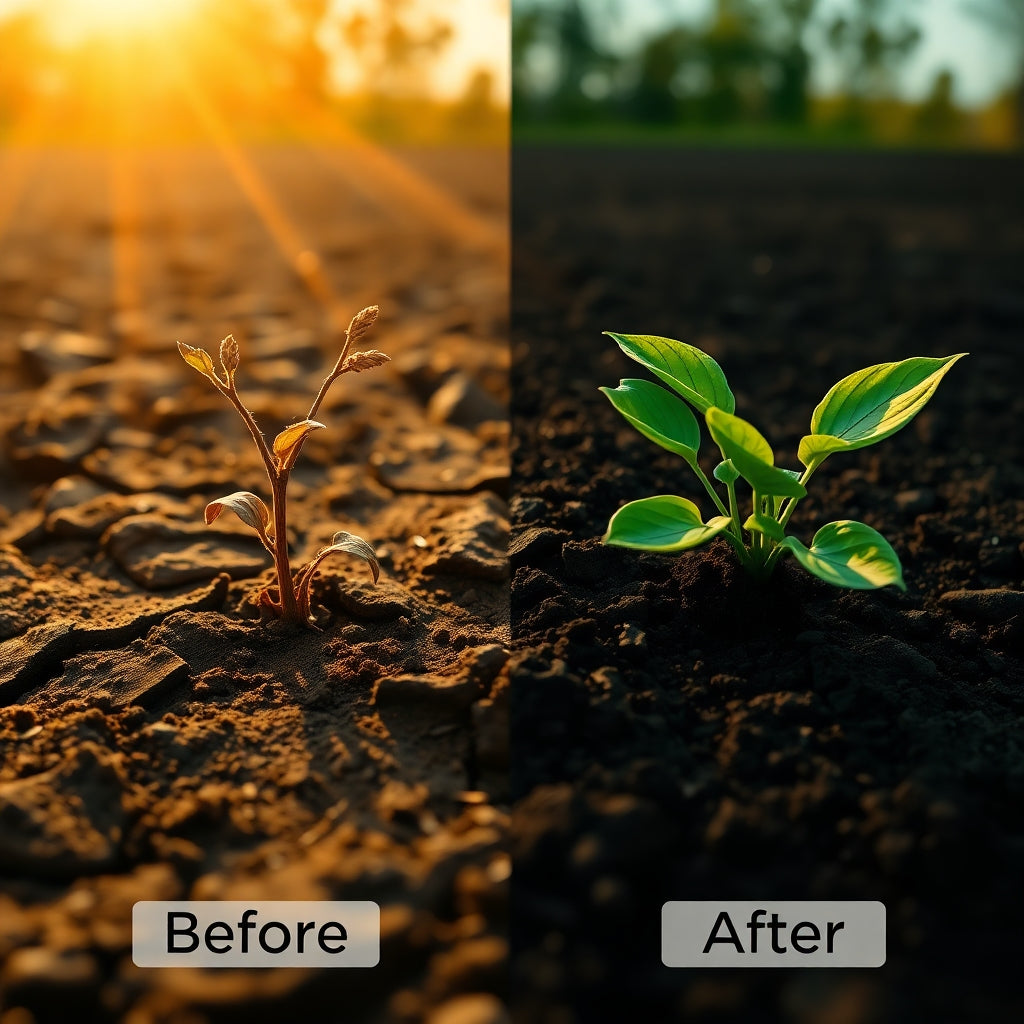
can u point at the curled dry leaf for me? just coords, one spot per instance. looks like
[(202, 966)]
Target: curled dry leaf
[(359, 361), (247, 506), (229, 357), (199, 359), (353, 545), (360, 324), (292, 435)]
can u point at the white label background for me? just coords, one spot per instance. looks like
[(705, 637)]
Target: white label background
[(360, 919), (686, 927)]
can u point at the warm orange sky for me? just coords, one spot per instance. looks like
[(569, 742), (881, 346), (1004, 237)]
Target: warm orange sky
[(481, 30)]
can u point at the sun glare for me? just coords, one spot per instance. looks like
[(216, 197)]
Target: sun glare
[(79, 18)]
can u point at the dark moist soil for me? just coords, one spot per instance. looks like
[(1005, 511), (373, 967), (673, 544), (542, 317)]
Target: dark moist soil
[(682, 733), (157, 741)]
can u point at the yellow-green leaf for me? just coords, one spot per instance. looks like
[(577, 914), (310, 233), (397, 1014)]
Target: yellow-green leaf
[(872, 404), (751, 455), (685, 369), (662, 523), (658, 415), (815, 448), (849, 554), (758, 522)]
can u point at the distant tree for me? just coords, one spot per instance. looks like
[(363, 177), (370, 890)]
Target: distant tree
[(527, 33), (563, 31), (476, 109), (733, 53), (1006, 18), (655, 93), (870, 44), (787, 22), (579, 55), (938, 118)]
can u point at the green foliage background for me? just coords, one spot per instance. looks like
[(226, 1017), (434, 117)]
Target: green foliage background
[(745, 75)]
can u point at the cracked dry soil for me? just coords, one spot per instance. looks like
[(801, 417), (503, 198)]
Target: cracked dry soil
[(157, 742)]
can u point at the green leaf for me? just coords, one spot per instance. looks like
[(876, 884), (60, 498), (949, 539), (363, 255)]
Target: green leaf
[(661, 523), (815, 448), (751, 454), (849, 554), (658, 415), (760, 523), (726, 472), (694, 374), (872, 404)]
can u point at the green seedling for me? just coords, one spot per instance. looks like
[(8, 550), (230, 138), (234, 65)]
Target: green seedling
[(861, 409), (289, 599)]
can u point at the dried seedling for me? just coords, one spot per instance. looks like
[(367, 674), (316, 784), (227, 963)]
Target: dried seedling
[(291, 600)]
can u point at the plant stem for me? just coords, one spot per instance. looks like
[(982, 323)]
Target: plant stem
[(278, 546), (736, 529), (756, 538), (737, 546), (286, 586), (293, 455), (791, 504), (231, 395), (330, 378), (707, 486), (787, 511)]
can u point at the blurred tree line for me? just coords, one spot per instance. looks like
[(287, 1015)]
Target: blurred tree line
[(270, 68), (750, 65)]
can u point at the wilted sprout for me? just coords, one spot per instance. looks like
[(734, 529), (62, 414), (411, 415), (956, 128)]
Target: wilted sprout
[(271, 524)]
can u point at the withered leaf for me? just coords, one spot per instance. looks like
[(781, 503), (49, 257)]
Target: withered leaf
[(292, 435), (359, 361), (247, 506), (199, 359)]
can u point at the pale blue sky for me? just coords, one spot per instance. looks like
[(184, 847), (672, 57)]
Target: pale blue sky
[(952, 38)]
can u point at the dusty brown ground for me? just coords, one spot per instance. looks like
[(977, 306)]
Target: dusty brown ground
[(156, 741)]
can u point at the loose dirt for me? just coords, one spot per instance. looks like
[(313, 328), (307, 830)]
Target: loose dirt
[(680, 732)]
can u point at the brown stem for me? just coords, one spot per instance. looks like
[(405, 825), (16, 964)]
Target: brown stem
[(289, 606), (278, 485), (231, 395), (331, 377), (304, 581), (321, 395)]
